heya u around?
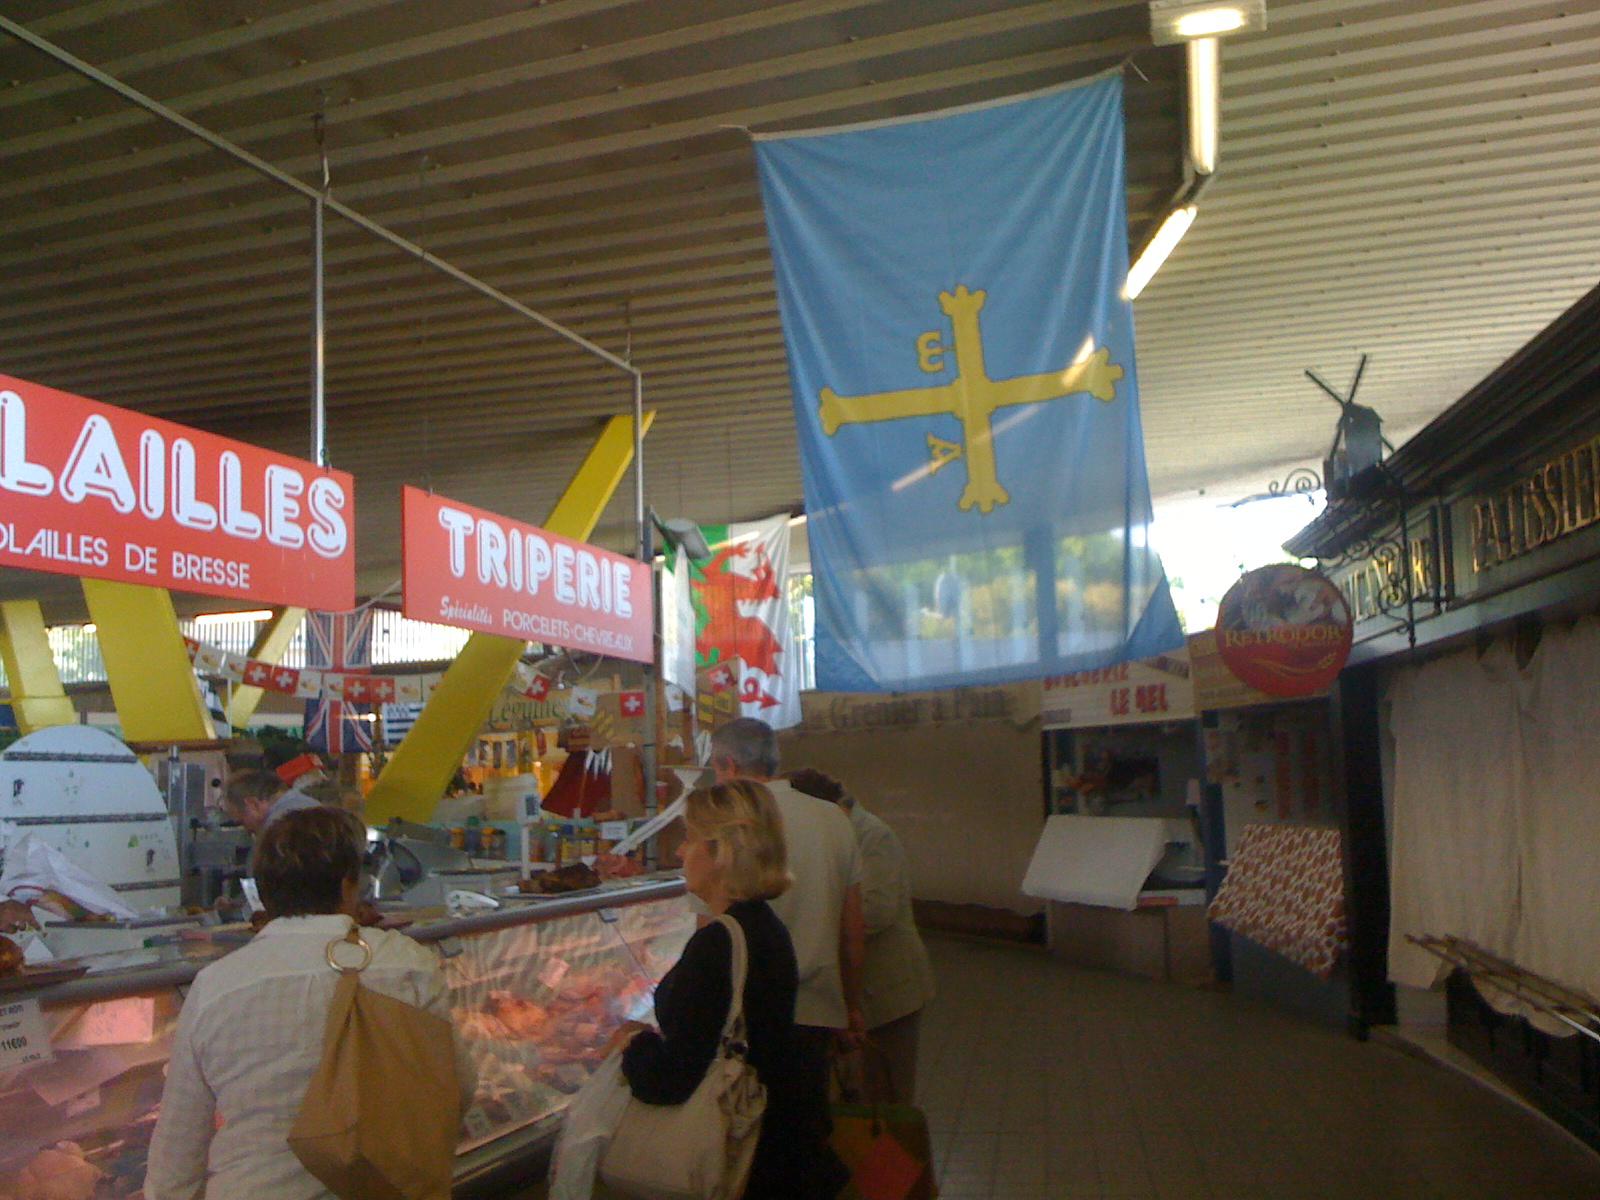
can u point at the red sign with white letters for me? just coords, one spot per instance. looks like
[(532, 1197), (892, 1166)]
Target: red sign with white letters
[(90, 489), (470, 568)]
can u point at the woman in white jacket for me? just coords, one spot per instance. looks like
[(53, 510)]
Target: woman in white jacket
[(249, 1037), (898, 979)]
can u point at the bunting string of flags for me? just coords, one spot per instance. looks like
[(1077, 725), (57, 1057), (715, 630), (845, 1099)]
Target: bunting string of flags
[(363, 688)]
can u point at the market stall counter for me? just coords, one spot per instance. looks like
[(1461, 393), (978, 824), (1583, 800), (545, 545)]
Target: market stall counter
[(537, 988)]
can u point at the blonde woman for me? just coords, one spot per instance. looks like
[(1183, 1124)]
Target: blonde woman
[(735, 861)]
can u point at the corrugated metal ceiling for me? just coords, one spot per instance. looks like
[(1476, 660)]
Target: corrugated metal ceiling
[(1415, 180)]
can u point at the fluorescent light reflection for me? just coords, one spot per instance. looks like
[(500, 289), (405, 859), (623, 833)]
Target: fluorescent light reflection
[(228, 618), (1164, 243), (1209, 22)]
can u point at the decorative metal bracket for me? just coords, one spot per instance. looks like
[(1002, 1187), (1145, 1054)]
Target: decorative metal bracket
[(1387, 562), (1302, 481)]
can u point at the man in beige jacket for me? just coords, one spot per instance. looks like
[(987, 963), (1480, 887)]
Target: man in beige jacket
[(897, 979), (822, 910)]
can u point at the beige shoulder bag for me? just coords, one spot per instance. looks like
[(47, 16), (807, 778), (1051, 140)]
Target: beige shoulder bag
[(701, 1149), (350, 1133)]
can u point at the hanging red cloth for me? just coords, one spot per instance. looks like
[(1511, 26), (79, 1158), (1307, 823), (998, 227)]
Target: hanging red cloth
[(583, 787)]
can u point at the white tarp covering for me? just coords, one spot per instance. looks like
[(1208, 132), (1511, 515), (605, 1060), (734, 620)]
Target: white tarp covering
[(1095, 860), (1496, 822)]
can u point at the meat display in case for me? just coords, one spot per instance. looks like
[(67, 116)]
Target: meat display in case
[(536, 1004), (537, 989), (77, 1124)]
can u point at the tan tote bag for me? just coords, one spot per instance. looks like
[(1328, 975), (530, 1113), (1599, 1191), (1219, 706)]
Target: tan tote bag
[(382, 1114), (701, 1149)]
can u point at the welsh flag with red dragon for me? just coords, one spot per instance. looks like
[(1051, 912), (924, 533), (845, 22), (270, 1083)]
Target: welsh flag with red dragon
[(741, 614)]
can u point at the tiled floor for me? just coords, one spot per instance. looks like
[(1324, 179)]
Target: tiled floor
[(1044, 1081)]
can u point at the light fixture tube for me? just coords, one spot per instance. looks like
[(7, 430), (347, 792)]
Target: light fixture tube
[(1156, 252), (1205, 92)]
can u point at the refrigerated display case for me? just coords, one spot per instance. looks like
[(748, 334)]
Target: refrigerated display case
[(537, 988)]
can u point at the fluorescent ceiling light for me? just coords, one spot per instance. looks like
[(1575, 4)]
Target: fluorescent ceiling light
[(1182, 20), (1205, 93), (228, 618), (1209, 23), (1165, 241)]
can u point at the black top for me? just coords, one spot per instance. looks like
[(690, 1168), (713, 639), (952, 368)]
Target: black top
[(691, 1006)]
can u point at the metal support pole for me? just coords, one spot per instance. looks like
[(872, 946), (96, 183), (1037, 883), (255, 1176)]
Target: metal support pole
[(319, 412), (319, 324), (649, 748), (642, 533)]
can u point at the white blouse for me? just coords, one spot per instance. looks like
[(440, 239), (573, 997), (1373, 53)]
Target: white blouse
[(249, 1040)]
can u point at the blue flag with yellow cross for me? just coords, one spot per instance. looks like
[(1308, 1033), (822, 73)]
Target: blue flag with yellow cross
[(961, 354)]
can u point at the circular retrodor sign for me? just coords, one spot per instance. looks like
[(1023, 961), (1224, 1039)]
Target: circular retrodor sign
[(1284, 630)]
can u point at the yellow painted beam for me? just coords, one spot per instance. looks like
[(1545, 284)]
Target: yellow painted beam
[(152, 680), (578, 510), (422, 766), (269, 647), (37, 697)]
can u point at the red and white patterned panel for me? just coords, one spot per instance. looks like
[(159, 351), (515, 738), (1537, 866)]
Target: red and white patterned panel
[(1285, 891)]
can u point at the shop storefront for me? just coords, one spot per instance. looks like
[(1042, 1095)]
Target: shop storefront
[(122, 878), (1276, 817), (535, 988), (1471, 561), (1121, 862)]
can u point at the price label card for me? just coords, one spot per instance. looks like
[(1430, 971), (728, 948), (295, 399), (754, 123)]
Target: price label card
[(23, 1037), (83, 1103), (553, 972), (613, 831), (131, 1021)]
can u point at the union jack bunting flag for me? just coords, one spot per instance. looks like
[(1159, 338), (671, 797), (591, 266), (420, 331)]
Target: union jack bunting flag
[(339, 642)]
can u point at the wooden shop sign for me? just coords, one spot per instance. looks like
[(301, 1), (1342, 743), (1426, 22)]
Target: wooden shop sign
[(854, 713), (1130, 693), (1552, 501), (1396, 570)]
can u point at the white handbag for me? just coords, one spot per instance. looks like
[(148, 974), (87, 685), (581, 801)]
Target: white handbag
[(701, 1149)]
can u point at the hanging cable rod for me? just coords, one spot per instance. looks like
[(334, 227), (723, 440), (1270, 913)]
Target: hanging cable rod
[(1572, 1008), (321, 201)]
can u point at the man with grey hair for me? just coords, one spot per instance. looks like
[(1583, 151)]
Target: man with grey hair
[(256, 797), (822, 910)]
